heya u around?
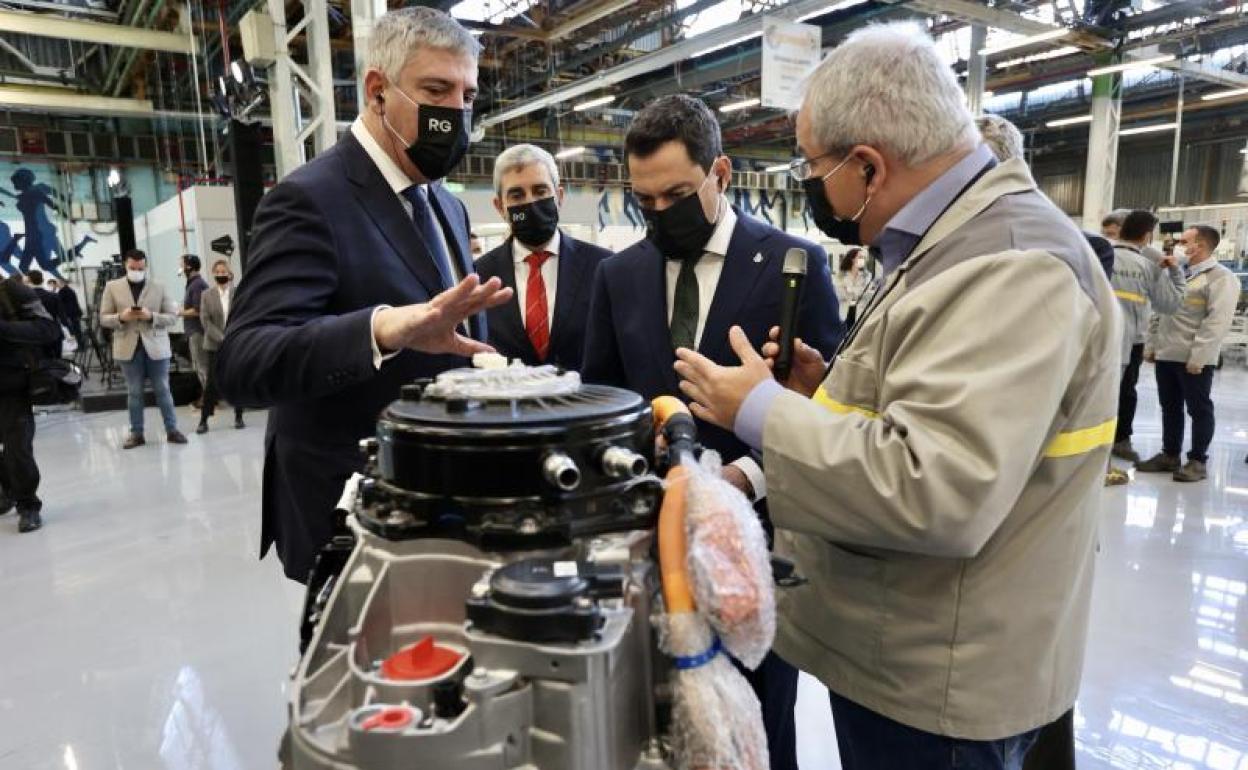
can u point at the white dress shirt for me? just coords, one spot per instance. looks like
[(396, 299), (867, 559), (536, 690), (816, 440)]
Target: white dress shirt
[(225, 301), (399, 181), (550, 275), (708, 270)]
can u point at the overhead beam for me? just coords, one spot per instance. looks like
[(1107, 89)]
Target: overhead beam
[(1225, 77), (974, 13), (585, 18), (72, 102), (45, 25)]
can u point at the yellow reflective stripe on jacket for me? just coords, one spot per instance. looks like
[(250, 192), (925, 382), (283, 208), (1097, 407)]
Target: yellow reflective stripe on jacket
[(1194, 302), (832, 405), (1078, 442), (1130, 296), (1066, 444)]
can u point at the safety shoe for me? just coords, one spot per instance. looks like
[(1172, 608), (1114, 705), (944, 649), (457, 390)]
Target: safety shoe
[(1194, 470), (175, 437), (1160, 463), (1123, 451), (1116, 477), (133, 440), (201, 429), (238, 423), (28, 521)]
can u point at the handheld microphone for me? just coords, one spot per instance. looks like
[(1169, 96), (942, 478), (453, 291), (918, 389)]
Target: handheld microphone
[(793, 274)]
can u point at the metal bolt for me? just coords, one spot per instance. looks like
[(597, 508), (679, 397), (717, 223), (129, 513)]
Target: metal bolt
[(528, 526)]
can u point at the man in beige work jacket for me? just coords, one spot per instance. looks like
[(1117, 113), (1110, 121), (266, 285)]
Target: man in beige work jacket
[(940, 486)]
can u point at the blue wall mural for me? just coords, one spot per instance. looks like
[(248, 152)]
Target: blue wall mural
[(36, 229)]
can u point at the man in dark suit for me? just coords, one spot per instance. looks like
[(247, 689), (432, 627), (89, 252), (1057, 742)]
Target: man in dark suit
[(703, 268), (359, 279), (70, 309), (550, 271)]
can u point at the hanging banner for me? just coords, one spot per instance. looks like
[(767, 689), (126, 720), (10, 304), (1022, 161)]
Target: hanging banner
[(790, 53)]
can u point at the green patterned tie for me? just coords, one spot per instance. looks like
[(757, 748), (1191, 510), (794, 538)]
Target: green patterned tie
[(685, 306)]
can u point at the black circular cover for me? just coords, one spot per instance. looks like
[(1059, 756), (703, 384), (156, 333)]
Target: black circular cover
[(537, 584)]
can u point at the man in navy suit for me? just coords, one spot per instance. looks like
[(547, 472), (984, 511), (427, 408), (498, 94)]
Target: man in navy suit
[(359, 279), (550, 271), (703, 268)]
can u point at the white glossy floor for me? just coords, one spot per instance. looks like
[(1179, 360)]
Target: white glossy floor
[(140, 632)]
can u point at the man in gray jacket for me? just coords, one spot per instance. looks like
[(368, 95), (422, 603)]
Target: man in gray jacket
[(940, 487), (214, 311), (1144, 280), (140, 312), (1186, 346)]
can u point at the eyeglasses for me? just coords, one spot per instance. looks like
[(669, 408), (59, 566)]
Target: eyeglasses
[(801, 169)]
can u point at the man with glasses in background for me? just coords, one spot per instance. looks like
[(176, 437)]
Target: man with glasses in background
[(956, 448)]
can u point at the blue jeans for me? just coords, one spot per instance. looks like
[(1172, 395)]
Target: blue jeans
[(869, 741), (143, 367)]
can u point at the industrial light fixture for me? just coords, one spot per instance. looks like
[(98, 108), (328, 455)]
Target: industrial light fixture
[(236, 69), (1069, 121), (571, 152), (741, 105), (592, 103), (1056, 53), (1148, 129), (1131, 65), (1225, 94), (781, 168), (1052, 34), (114, 176)]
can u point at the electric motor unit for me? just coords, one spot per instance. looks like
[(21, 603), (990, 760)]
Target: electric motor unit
[(495, 610)]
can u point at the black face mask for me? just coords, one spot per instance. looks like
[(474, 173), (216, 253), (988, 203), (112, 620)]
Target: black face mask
[(846, 231), (681, 230), (222, 279), (441, 138), (534, 223)]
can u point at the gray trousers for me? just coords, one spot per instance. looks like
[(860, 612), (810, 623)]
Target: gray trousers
[(199, 359)]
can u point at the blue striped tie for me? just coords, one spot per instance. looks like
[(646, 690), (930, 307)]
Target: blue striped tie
[(429, 229)]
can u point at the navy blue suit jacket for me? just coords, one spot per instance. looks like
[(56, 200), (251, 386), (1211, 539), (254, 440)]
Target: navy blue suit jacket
[(577, 262), (330, 243), (628, 342)]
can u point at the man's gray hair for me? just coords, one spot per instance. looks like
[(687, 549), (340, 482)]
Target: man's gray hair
[(1001, 136), (517, 157), (886, 86), (400, 33)]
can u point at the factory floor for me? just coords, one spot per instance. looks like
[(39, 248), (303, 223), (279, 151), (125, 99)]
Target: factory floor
[(140, 632)]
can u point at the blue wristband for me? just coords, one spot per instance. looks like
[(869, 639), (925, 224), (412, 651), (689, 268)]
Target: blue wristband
[(685, 663)]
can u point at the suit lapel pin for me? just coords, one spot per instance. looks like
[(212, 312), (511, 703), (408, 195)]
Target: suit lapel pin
[(758, 258)]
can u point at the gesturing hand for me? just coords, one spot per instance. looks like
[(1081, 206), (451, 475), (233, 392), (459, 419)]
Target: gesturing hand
[(431, 327), (718, 391), (808, 369)]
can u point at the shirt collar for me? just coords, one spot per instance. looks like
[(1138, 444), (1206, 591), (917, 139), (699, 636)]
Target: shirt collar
[(1203, 267), (520, 252), (908, 226), (394, 175), (722, 236)]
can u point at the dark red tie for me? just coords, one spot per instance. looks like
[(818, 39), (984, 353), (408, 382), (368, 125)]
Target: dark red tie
[(536, 322)]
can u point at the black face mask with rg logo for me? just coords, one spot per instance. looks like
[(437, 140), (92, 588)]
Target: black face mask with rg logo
[(534, 223), (441, 138)]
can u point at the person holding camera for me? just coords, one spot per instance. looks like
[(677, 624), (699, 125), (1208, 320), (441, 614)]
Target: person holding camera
[(140, 312), (26, 328)]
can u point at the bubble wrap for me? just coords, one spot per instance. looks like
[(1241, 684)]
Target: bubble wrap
[(728, 563), (717, 722)]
